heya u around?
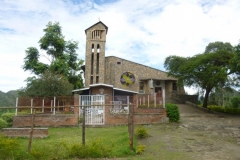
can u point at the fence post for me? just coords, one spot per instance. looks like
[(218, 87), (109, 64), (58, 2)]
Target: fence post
[(54, 103), (163, 98), (16, 106), (154, 95), (43, 106), (130, 123), (31, 132), (51, 105), (83, 125), (148, 100), (79, 111), (31, 105)]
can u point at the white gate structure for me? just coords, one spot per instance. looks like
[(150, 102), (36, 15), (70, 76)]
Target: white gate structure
[(94, 109)]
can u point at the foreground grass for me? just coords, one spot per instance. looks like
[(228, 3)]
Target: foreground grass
[(54, 146)]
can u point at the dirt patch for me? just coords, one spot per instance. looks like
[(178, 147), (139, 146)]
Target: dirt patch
[(198, 137)]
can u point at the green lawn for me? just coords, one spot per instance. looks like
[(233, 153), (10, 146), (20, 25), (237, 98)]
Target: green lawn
[(114, 139)]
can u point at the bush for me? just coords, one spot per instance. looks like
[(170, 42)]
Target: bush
[(140, 149), (229, 110), (8, 117), (8, 147), (37, 153), (3, 123), (172, 112), (235, 102), (95, 150), (141, 132)]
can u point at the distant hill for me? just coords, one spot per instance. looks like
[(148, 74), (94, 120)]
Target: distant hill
[(8, 99)]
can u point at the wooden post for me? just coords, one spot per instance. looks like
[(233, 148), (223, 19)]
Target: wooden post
[(43, 106), (54, 105), (31, 132), (31, 105), (16, 106), (130, 123), (83, 125), (163, 98)]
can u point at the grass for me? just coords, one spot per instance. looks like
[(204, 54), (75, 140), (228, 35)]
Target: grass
[(52, 147)]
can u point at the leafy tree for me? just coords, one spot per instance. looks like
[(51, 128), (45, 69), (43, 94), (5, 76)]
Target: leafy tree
[(48, 84), (207, 71), (61, 55)]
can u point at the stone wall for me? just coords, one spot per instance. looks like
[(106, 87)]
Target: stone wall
[(115, 67), (25, 132), (190, 98), (46, 120)]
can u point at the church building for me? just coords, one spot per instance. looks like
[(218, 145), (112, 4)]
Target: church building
[(115, 76)]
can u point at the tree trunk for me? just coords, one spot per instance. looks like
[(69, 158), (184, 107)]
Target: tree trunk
[(205, 101)]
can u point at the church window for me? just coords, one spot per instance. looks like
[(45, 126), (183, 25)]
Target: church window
[(127, 79), (119, 63), (97, 64), (97, 34), (92, 48), (158, 83), (174, 86), (92, 60), (91, 82), (141, 86), (98, 48), (97, 79)]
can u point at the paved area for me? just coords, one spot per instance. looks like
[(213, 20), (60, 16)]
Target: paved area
[(187, 110)]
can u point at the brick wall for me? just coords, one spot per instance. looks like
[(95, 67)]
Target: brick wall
[(25, 132), (141, 116), (46, 120)]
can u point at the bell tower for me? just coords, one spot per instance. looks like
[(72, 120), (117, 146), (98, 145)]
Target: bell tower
[(95, 53)]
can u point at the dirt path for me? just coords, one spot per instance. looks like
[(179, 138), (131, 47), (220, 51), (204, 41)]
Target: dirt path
[(200, 135)]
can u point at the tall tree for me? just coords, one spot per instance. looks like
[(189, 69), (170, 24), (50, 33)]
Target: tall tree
[(207, 71), (46, 85), (60, 53)]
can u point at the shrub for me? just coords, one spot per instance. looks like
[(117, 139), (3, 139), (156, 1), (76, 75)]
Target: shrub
[(95, 150), (8, 117), (235, 102), (37, 153), (3, 123), (141, 132), (140, 149), (8, 147), (172, 112), (229, 110)]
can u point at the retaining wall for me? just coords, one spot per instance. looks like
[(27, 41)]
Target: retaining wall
[(46, 120), (25, 132)]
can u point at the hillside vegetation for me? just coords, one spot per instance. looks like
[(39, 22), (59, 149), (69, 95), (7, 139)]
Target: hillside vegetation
[(8, 99)]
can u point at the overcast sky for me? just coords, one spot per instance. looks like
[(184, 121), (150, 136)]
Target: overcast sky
[(143, 31)]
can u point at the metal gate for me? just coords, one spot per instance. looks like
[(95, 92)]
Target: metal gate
[(94, 109)]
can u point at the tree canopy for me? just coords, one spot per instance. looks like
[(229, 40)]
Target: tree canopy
[(208, 70), (46, 85), (61, 55)]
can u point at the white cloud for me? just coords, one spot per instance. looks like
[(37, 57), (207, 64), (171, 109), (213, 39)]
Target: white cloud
[(145, 31)]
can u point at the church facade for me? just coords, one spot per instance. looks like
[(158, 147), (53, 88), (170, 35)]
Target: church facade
[(116, 76)]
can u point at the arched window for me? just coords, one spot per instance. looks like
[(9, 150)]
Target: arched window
[(92, 48), (98, 48)]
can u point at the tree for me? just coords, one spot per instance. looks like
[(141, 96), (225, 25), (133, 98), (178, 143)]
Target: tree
[(61, 55), (207, 71), (46, 85)]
